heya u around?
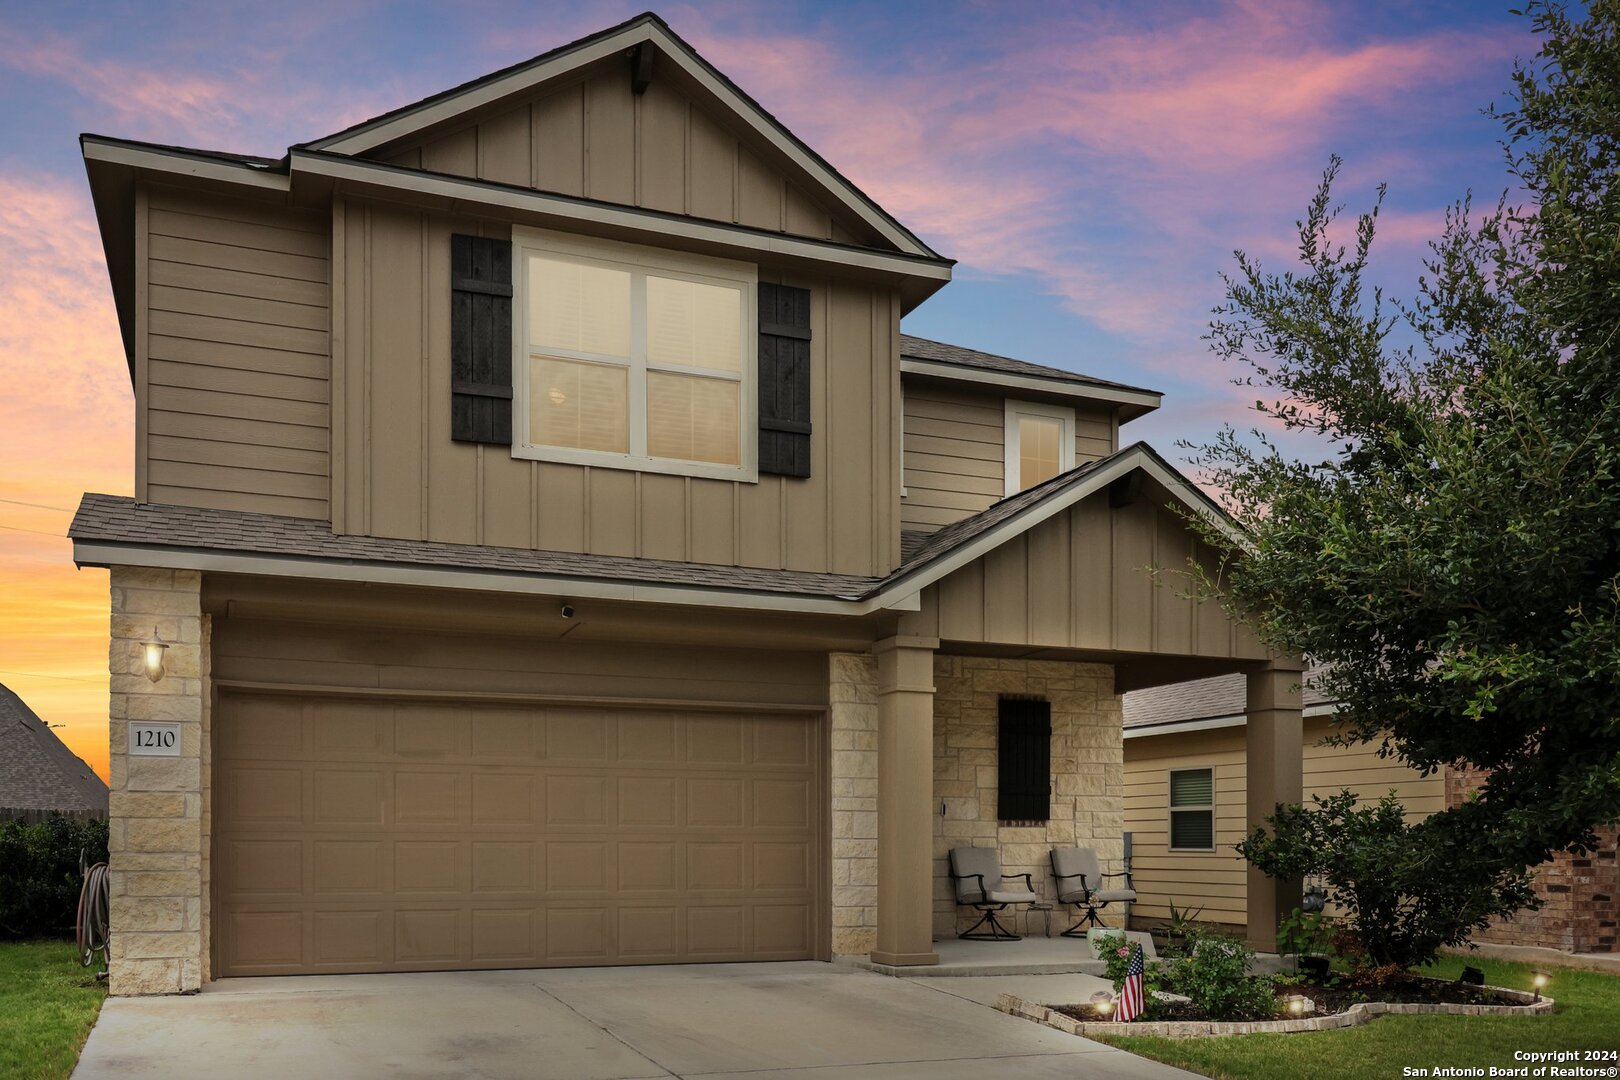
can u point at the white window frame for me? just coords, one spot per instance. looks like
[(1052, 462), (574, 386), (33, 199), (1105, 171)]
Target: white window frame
[(1016, 409), (1172, 810), (638, 260)]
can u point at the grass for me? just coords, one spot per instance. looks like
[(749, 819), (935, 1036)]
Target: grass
[(48, 1003), (1587, 1018)]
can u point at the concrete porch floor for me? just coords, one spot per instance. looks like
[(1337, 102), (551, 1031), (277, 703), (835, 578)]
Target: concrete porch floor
[(1034, 957)]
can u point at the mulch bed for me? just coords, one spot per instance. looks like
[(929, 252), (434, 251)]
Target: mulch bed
[(1328, 999)]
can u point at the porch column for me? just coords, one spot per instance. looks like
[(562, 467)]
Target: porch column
[(905, 694), (1275, 745)]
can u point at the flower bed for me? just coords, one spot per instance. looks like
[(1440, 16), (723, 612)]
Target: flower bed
[(1071, 1019)]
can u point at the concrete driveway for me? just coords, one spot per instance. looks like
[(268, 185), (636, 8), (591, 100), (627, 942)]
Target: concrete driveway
[(810, 1021)]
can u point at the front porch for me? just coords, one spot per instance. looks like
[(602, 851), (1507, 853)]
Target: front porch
[(914, 773)]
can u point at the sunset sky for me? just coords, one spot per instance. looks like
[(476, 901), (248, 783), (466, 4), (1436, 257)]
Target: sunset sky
[(1092, 166)]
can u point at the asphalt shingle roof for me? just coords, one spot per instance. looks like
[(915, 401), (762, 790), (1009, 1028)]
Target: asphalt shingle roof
[(118, 519), (917, 348), (37, 772), (1214, 698)]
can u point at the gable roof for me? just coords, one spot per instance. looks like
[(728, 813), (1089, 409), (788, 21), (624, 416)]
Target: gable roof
[(37, 772), (110, 529), (647, 27), (921, 356)]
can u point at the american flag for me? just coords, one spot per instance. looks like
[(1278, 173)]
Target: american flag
[(1130, 994)]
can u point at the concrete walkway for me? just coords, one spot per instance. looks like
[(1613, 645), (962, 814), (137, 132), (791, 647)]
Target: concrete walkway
[(807, 1021)]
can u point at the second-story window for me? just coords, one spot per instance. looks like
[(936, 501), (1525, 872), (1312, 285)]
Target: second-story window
[(633, 357), (1039, 443)]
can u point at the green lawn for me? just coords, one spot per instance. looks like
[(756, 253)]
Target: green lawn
[(1587, 1018), (48, 1004)]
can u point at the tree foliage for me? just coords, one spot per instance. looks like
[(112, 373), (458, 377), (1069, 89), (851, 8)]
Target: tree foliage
[(1450, 548)]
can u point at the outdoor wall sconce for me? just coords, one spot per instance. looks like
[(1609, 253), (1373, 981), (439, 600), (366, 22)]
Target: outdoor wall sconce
[(153, 652), (1538, 979)]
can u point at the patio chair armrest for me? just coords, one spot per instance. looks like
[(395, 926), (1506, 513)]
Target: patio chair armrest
[(984, 894), (1029, 880)]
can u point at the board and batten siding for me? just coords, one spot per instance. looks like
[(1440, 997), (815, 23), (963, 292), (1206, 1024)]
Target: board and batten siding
[(1216, 880), (955, 451), (232, 363), (402, 475), (1083, 580), (594, 138)]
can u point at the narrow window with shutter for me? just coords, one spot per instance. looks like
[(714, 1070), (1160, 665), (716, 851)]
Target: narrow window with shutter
[(1024, 760), (480, 340), (784, 380)]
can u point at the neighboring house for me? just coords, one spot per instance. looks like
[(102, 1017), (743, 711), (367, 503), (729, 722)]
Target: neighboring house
[(1185, 791), (39, 776), (562, 558)]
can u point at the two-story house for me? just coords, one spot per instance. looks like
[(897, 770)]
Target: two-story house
[(547, 549)]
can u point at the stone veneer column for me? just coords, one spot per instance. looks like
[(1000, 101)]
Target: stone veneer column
[(158, 805), (853, 716), (1274, 737), (905, 692)]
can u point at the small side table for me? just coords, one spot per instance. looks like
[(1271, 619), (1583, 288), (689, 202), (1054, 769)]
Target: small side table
[(1046, 918)]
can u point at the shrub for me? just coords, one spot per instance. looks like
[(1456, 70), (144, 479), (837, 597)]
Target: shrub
[(1407, 889), (39, 874), (1115, 950), (1215, 977)]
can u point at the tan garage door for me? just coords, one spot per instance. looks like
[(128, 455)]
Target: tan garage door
[(382, 836)]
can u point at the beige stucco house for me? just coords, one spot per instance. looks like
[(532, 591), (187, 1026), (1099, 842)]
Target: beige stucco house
[(560, 557)]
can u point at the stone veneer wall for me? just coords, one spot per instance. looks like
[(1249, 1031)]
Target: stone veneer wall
[(158, 807), (853, 713), (1088, 771), (1580, 894)]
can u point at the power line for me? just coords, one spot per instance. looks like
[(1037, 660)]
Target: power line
[(36, 532), (37, 506), (63, 678)]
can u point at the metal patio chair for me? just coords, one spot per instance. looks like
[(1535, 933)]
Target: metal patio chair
[(1080, 883), (976, 873)]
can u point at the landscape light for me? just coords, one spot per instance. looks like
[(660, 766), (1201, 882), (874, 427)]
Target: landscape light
[(1538, 979)]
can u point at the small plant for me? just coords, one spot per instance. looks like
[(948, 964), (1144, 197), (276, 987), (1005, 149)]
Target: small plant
[(1303, 933), (1215, 977), (1181, 925)]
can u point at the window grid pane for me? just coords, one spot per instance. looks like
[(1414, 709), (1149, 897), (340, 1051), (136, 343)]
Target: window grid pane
[(691, 418), (1039, 442), (579, 307), (693, 324), (1192, 787), (579, 405), (1192, 829)]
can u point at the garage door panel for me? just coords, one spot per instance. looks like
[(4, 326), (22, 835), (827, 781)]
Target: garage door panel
[(431, 797), (427, 866), (395, 836)]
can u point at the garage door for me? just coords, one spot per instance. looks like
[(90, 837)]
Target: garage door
[(355, 836)]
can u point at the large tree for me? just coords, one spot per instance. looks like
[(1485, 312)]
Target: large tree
[(1450, 543)]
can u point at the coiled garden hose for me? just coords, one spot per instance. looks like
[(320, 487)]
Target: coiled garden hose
[(92, 922)]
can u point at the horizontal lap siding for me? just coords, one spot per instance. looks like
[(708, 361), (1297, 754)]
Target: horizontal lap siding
[(1216, 881), (953, 455), (237, 388), (955, 452)]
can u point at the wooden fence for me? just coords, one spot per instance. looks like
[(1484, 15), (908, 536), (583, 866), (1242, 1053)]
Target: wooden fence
[(31, 816)]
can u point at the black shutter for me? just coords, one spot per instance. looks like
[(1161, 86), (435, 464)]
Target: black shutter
[(1024, 760), (480, 340), (784, 380)]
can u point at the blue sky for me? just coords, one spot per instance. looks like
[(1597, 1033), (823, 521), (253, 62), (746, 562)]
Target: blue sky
[(1092, 166)]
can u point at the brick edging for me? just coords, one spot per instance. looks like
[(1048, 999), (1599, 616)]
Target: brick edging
[(1186, 1029)]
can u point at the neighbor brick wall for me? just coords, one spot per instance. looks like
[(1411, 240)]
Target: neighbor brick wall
[(1581, 894), (1088, 770), (157, 835), (853, 716)]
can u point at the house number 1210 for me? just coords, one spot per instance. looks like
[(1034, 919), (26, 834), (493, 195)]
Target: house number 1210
[(148, 739)]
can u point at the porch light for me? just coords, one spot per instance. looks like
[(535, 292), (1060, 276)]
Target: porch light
[(153, 652)]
